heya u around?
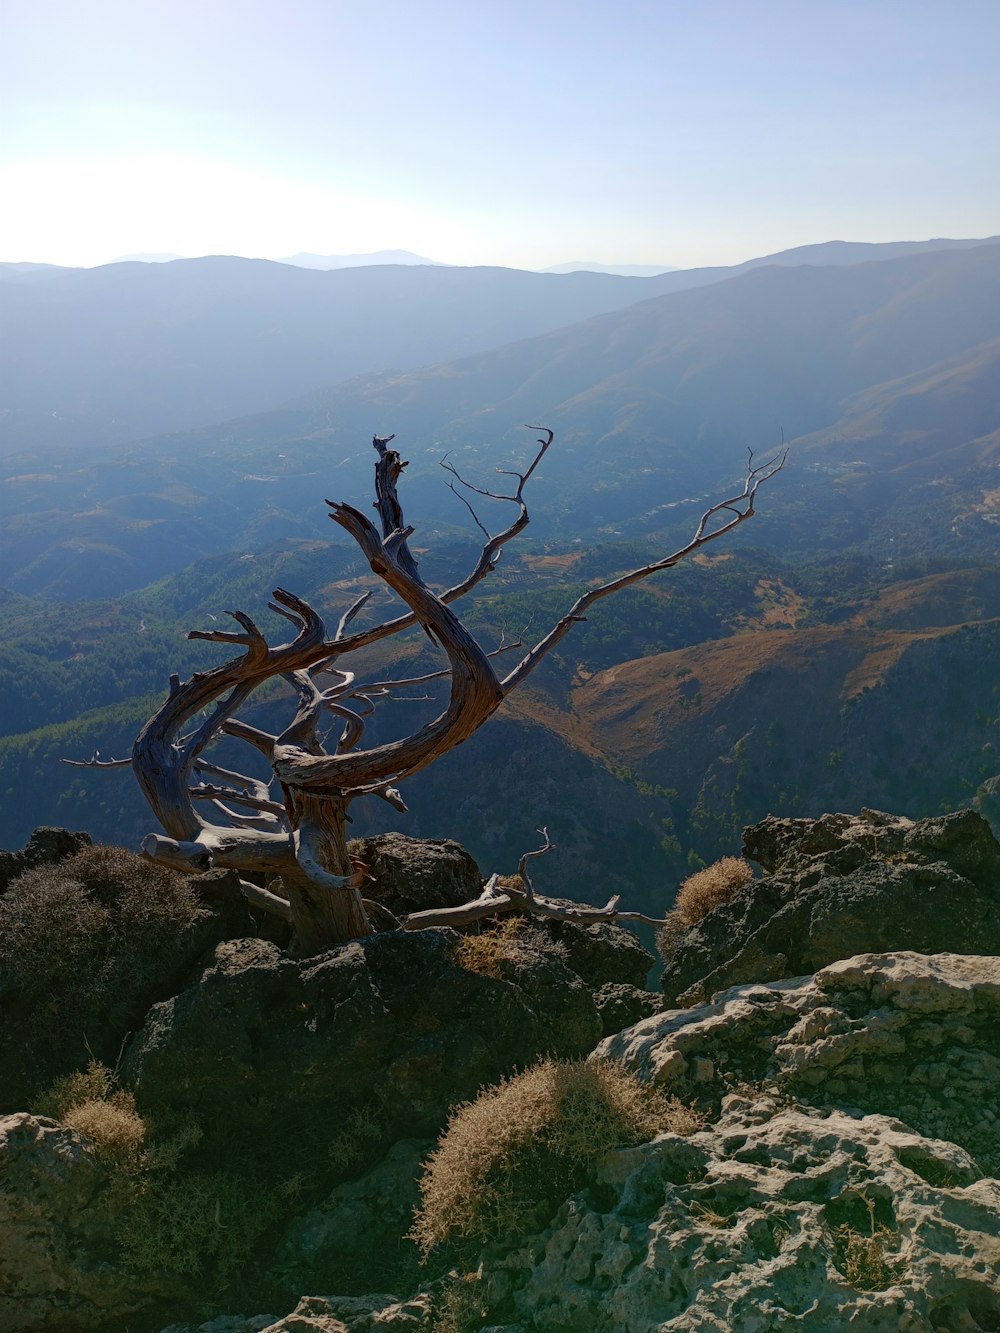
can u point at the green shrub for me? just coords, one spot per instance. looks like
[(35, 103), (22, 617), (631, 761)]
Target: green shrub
[(506, 1159), (699, 894), (193, 1224)]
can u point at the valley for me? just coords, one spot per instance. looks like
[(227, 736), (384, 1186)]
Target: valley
[(842, 651)]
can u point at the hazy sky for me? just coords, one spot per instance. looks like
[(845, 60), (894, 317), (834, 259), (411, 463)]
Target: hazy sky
[(517, 132)]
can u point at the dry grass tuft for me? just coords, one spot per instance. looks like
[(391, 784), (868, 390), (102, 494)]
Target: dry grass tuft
[(522, 1147), (487, 952), (114, 1127), (707, 889), (90, 1102), (95, 1083), (864, 1260), (462, 1304)]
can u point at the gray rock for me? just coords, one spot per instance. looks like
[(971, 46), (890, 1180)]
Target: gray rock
[(317, 1065), (904, 1034), (772, 1219), (843, 885), (602, 953), (619, 1006), (355, 1240), (57, 1216), (46, 846)]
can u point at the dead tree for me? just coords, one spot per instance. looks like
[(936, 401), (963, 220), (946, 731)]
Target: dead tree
[(297, 843)]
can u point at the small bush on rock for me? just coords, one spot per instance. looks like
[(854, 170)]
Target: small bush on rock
[(90, 1102), (504, 944), (84, 946), (709, 888), (113, 1127), (522, 1147)]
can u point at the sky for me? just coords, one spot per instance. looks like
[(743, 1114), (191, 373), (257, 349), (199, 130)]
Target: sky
[(524, 133)]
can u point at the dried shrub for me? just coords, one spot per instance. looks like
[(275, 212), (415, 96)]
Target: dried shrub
[(699, 894), (508, 1158), (113, 1126), (510, 942), (95, 1083)]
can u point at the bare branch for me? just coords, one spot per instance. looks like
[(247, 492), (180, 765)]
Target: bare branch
[(496, 902), (349, 615), (205, 792), (522, 865), (270, 902), (95, 761), (741, 507), (261, 740)]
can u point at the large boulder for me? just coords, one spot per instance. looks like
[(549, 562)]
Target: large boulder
[(771, 1220), (601, 953), (413, 874), (842, 885), (905, 1034), (317, 1065)]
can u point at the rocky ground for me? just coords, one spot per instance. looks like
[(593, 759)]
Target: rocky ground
[(838, 1027)]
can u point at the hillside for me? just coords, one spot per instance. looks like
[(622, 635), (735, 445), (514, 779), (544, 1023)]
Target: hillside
[(672, 718), (656, 401)]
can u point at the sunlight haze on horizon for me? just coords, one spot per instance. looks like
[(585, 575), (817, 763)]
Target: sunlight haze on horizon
[(509, 133)]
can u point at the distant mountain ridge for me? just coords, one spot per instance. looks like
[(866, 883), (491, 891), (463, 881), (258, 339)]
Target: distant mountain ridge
[(625, 270), (653, 406), (106, 355), (304, 259)]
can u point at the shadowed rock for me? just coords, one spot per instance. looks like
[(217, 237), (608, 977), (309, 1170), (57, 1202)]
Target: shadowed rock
[(843, 885)]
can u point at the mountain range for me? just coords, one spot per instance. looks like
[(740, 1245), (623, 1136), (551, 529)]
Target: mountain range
[(863, 595), (880, 375)]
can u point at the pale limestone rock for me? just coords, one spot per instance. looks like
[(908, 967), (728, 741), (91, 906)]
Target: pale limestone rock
[(911, 1035), (741, 1227), (330, 1314)]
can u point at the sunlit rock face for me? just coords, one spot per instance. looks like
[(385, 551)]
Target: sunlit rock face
[(771, 1219), (908, 1035)]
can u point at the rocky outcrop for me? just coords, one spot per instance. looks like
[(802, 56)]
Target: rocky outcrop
[(619, 1006), (602, 954), (374, 1041), (772, 1219), (903, 1034), (57, 1214), (46, 846), (843, 885)]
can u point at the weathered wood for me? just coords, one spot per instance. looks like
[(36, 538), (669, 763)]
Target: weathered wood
[(302, 836)]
